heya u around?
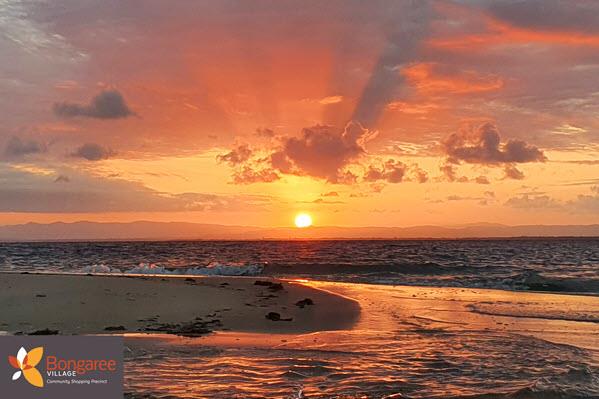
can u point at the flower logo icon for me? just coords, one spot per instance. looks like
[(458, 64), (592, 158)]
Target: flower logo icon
[(25, 362)]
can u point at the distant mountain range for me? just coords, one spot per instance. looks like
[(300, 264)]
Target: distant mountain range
[(195, 231)]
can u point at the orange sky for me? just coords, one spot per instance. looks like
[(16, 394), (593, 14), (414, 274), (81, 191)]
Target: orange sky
[(379, 113)]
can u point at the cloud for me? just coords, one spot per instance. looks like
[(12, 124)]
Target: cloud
[(62, 179), (585, 203), (247, 168), (109, 104), (409, 26), (322, 202), (582, 204), (420, 175), (391, 171), (92, 152), (17, 148), (450, 173), (331, 100), (482, 180), (549, 14), (249, 175), (30, 192), (431, 78), (330, 194), (322, 152), (265, 132), (484, 146), (511, 172), (534, 202), (236, 156)]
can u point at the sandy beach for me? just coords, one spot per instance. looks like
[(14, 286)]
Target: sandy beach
[(215, 330), (74, 304)]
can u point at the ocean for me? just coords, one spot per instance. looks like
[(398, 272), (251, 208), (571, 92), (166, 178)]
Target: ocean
[(460, 342), (557, 264)]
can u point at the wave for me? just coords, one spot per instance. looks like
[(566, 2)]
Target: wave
[(580, 383), (424, 274), (509, 310), (537, 282), (213, 269)]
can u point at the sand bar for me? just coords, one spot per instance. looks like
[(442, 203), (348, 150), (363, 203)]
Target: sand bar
[(76, 304)]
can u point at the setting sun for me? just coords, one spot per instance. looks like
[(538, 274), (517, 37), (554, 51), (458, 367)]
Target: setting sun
[(303, 220)]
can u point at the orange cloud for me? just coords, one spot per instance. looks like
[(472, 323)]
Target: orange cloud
[(428, 78), (501, 33)]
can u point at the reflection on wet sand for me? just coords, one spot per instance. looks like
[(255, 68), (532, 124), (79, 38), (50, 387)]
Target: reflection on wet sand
[(417, 342)]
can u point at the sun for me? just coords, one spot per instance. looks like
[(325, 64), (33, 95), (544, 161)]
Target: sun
[(303, 220)]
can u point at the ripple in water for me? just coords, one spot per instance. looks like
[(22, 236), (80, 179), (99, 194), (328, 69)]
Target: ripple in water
[(395, 351)]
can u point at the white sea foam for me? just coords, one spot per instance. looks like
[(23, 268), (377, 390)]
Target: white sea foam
[(213, 269), (101, 268)]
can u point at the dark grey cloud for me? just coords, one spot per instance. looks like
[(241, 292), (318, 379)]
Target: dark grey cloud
[(17, 148), (109, 104), (409, 26), (563, 15), (484, 146), (92, 152)]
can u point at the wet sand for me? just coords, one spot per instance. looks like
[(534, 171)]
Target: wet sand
[(75, 304), (412, 342)]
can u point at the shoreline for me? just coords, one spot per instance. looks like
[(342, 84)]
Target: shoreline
[(298, 280), (191, 306), (41, 303)]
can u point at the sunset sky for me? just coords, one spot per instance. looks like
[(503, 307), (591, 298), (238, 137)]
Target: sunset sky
[(361, 113)]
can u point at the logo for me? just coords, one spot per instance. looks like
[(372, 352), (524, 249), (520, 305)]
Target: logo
[(25, 363), (61, 367)]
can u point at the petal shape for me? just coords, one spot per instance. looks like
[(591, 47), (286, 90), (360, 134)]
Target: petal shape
[(34, 356), (16, 375), (14, 362), (21, 356), (34, 377)]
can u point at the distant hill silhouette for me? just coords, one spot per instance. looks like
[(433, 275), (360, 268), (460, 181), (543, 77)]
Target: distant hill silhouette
[(144, 230)]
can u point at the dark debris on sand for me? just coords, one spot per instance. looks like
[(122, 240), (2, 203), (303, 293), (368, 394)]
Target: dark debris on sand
[(45, 331), (304, 302), (115, 328), (274, 316), (194, 328), (270, 285)]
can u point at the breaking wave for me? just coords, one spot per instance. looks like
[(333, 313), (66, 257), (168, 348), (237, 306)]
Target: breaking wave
[(213, 269), (552, 265)]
